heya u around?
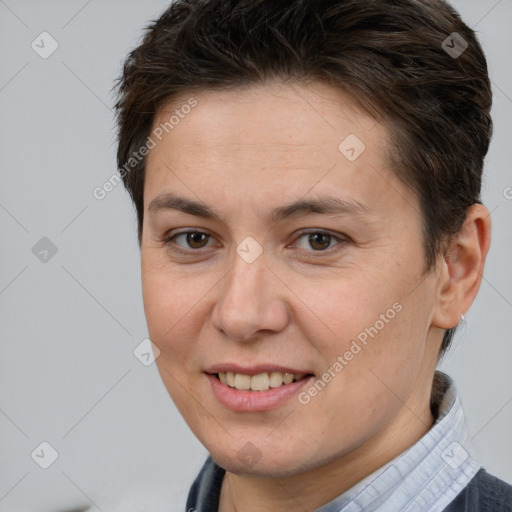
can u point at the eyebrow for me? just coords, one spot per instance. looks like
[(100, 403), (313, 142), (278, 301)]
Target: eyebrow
[(324, 204)]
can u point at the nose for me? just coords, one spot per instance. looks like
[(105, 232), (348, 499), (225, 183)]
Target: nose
[(251, 301)]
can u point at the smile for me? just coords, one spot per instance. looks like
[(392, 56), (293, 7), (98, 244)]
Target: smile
[(260, 382), (259, 391)]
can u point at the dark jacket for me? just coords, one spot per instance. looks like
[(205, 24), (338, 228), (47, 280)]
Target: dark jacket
[(484, 493)]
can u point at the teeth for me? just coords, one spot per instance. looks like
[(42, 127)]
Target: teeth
[(242, 381), (276, 379), (230, 379), (287, 378), (260, 382)]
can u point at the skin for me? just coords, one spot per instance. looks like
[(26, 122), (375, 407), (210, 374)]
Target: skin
[(243, 153)]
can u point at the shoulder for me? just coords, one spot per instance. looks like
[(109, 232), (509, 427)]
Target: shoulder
[(205, 491), (484, 493)]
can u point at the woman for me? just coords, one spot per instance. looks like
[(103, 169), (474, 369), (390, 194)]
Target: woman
[(307, 181)]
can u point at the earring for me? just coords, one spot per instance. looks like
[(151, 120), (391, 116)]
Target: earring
[(462, 318)]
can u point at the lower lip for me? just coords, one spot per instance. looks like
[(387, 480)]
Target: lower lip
[(254, 401)]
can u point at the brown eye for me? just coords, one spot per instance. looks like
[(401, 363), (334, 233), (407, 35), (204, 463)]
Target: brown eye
[(319, 241), (188, 240), (196, 240)]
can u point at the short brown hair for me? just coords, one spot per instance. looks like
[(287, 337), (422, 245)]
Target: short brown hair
[(392, 56)]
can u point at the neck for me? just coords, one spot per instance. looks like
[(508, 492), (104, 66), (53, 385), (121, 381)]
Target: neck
[(309, 490)]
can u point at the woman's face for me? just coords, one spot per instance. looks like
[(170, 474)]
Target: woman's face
[(302, 260)]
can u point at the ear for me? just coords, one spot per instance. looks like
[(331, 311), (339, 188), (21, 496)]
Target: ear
[(462, 267)]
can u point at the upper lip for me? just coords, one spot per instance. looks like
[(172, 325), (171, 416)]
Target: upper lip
[(253, 370)]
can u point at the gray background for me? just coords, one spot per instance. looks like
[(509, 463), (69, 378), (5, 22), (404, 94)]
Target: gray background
[(69, 326)]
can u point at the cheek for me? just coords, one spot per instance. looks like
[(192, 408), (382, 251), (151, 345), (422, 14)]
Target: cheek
[(170, 308), (370, 323), (170, 314), (346, 308)]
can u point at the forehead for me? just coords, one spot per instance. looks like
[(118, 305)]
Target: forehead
[(304, 117), (274, 141)]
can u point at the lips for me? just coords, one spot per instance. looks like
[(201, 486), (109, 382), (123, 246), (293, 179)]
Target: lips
[(249, 400)]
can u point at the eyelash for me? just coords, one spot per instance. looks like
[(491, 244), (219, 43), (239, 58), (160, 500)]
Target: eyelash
[(171, 244)]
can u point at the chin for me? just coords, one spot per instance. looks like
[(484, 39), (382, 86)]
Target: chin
[(250, 461)]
